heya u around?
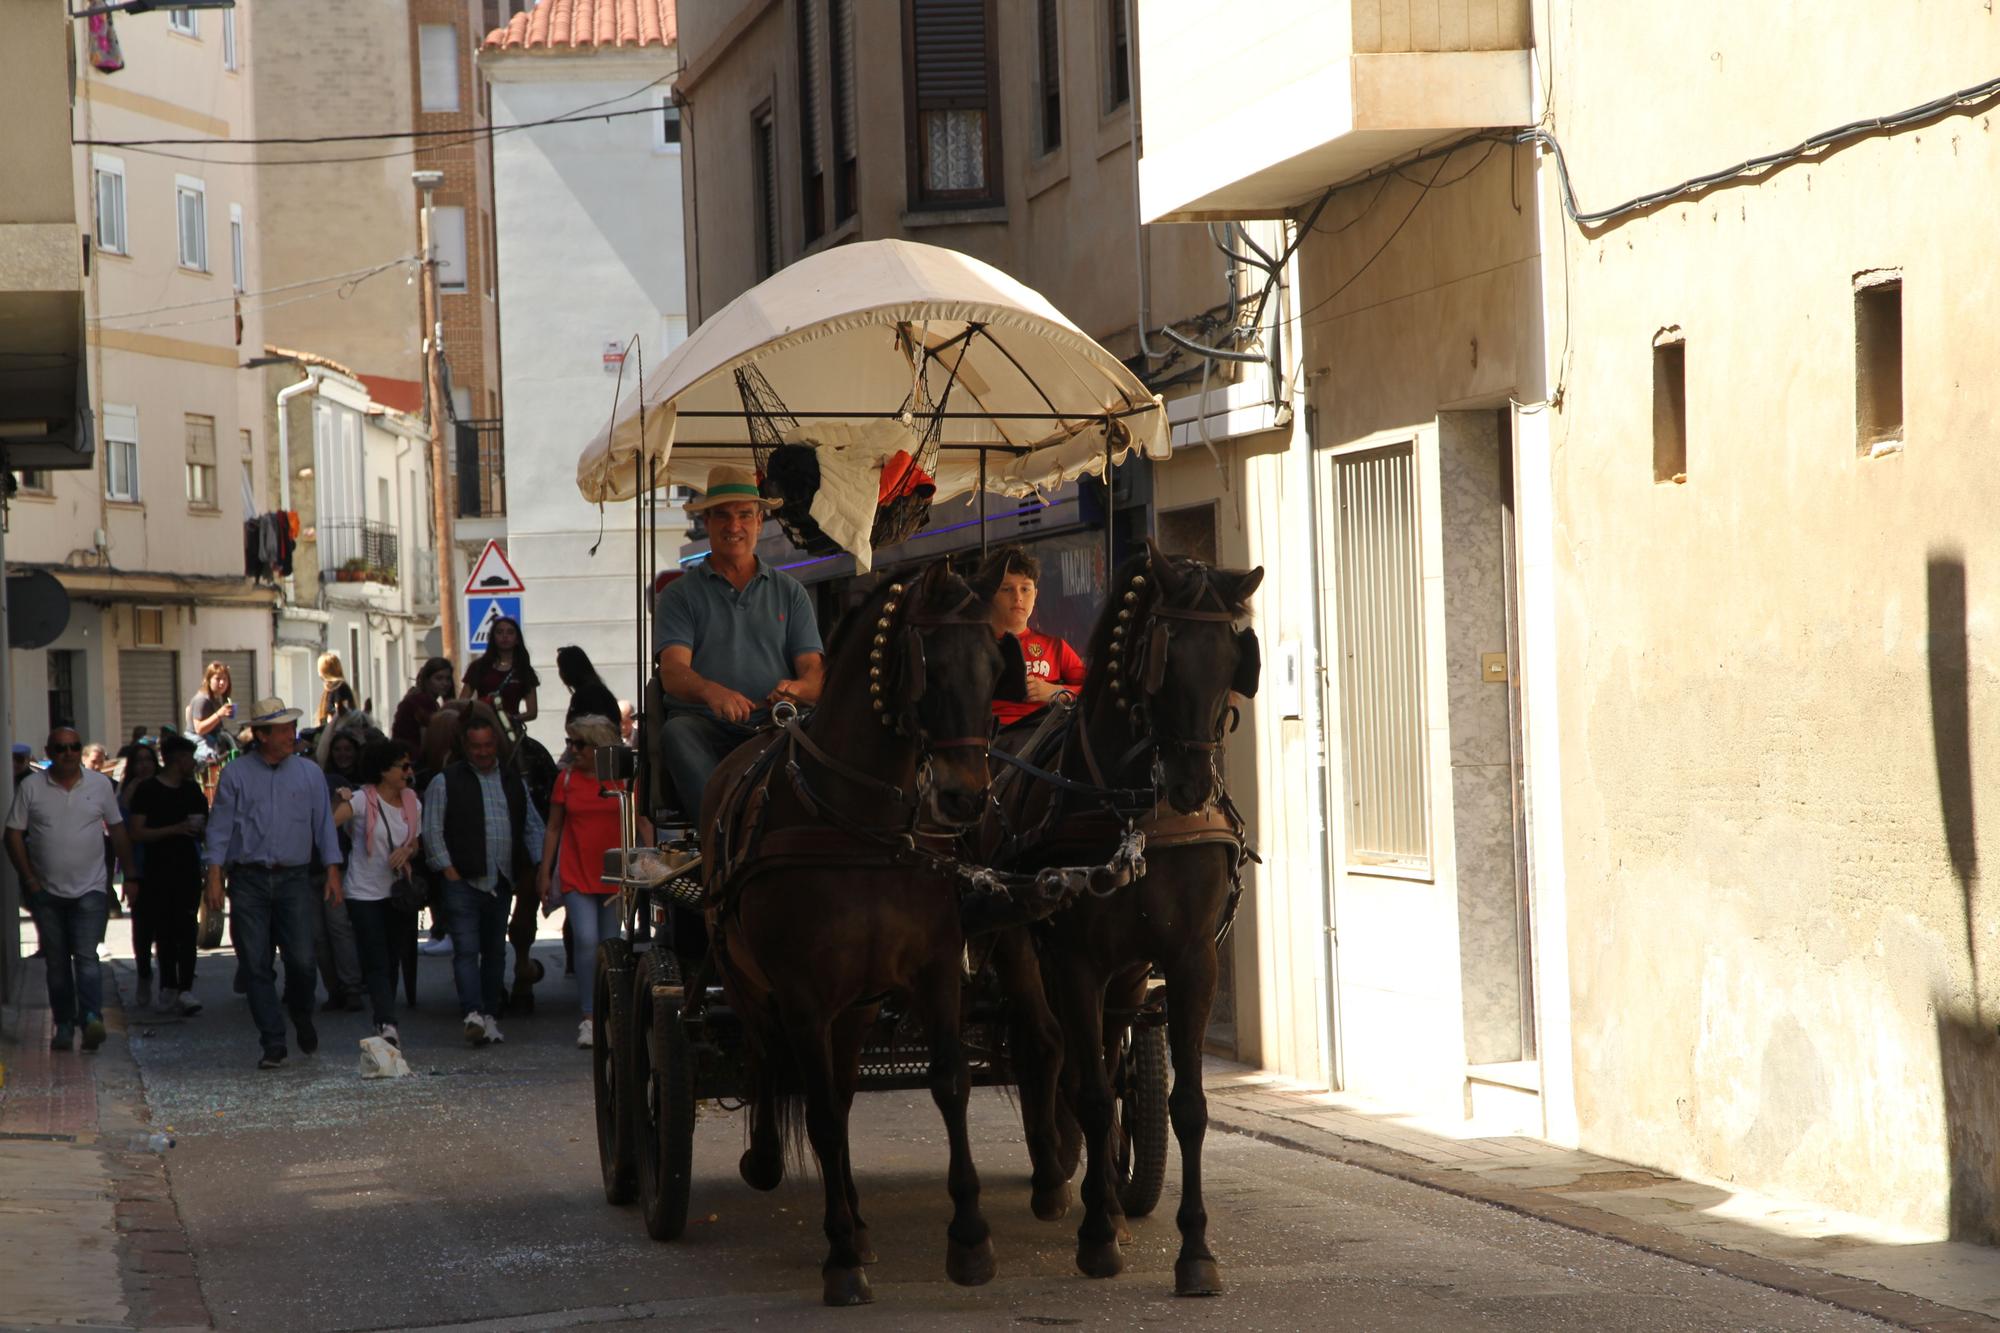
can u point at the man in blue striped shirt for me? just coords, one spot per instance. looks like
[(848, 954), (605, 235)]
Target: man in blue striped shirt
[(272, 814), (484, 836)]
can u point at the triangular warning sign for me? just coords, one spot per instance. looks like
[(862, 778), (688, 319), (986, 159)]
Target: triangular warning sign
[(492, 575)]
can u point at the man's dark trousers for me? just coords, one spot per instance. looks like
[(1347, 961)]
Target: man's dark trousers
[(273, 907), (478, 924)]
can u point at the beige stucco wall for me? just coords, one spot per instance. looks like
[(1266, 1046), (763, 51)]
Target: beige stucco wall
[(1066, 227), (1782, 674)]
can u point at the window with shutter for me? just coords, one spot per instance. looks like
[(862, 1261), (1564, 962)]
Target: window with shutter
[(200, 462), (1117, 56), (437, 54), (954, 135), (812, 197), (1049, 55), (191, 201), (766, 150), (840, 30)]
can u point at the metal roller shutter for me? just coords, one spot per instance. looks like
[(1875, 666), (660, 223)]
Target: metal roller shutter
[(148, 691)]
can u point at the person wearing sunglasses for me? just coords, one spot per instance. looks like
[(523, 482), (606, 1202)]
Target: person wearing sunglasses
[(583, 826), (388, 829), (55, 838)]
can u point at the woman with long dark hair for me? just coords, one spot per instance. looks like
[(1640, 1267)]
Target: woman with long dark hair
[(502, 675), (427, 694), (589, 696)]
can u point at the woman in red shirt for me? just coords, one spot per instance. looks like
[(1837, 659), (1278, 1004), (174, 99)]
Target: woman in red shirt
[(1053, 666), (503, 676), (583, 826)]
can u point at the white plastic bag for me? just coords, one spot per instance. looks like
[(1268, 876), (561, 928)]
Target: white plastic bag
[(381, 1060)]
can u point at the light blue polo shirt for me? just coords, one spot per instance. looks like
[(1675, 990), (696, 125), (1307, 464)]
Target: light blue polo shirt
[(748, 640)]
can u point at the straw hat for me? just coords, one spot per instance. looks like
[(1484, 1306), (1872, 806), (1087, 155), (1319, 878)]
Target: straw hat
[(728, 484), (271, 712)]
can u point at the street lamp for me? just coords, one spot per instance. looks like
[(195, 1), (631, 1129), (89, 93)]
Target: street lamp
[(429, 181)]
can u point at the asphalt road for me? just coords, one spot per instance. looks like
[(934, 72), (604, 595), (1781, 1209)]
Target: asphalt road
[(316, 1200)]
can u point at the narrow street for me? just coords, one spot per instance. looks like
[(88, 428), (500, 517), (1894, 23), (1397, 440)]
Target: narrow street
[(314, 1200)]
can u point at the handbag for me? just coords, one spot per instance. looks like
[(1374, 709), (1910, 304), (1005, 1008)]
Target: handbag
[(407, 892)]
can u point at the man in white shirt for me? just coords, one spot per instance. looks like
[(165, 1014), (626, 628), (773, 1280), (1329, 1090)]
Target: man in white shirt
[(68, 809)]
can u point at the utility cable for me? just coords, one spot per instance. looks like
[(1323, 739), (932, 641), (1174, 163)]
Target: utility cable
[(368, 272)]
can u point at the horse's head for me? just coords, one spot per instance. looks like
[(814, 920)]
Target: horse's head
[(1173, 658), (933, 666)]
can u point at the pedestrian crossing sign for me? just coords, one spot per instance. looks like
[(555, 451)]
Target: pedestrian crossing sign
[(481, 612)]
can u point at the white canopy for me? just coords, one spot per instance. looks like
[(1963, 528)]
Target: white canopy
[(836, 337)]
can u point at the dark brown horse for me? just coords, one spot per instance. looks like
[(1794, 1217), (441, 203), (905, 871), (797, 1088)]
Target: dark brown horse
[(828, 897), (1166, 656)]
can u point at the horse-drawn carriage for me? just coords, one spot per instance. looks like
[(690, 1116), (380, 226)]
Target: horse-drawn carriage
[(848, 905)]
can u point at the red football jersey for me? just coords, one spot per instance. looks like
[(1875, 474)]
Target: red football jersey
[(1048, 658)]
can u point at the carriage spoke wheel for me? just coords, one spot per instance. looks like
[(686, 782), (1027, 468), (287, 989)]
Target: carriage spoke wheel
[(662, 1094), (610, 991), (1139, 1138)]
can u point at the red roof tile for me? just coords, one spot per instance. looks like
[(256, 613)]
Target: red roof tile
[(557, 26)]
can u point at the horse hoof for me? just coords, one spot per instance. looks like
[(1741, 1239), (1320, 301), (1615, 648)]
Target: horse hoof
[(1197, 1277), (1101, 1260), (1121, 1229), (761, 1171), (846, 1286), (864, 1248), (970, 1265), (1051, 1205)]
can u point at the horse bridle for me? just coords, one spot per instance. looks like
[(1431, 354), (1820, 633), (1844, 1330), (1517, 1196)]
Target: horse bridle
[(1151, 664), (909, 673)]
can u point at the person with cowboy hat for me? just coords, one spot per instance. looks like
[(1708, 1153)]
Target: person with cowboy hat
[(731, 638), (272, 812)]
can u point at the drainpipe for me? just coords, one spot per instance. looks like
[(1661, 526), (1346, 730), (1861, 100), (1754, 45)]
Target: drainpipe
[(1142, 251), (285, 396)]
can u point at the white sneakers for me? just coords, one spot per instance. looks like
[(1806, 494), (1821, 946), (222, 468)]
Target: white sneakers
[(475, 1029), (586, 1034), (189, 1005), (492, 1028), (387, 1032), (434, 947), (178, 1002)]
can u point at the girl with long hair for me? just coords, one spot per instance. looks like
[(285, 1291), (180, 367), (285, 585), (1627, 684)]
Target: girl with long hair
[(210, 712), (502, 675)]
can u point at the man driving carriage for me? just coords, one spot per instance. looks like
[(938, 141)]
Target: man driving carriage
[(732, 638)]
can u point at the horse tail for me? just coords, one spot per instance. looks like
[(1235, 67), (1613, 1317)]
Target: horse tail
[(776, 1096)]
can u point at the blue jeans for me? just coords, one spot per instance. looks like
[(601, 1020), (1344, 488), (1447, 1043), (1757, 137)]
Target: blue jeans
[(692, 744), (478, 924), (70, 929), (273, 909), (592, 917)]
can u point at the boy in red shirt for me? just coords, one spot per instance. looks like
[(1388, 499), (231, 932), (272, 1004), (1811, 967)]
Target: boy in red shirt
[(1053, 666)]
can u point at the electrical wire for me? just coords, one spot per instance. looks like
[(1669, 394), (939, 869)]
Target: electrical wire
[(368, 272), (1422, 194), (343, 291), (590, 111)]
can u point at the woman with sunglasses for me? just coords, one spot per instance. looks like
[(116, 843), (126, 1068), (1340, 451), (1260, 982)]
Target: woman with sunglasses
[(388, 827), (583, 826)]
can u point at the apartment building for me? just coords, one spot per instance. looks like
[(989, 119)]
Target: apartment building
[(589, 230), (149, 543)]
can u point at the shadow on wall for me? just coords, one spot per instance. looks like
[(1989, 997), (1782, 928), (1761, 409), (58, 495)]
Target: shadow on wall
[(1968, 1047)]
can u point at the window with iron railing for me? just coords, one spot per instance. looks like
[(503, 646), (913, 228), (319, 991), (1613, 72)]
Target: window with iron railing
[(360, 551), (482, 469)]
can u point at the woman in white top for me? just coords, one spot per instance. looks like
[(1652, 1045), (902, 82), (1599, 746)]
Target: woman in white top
[(387, 828)]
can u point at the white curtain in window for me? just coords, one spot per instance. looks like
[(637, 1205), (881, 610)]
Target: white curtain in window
[(111, 211), (448, 238), (194, 227), (437, 48), (956, 157)]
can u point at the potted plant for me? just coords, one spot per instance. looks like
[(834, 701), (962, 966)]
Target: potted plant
[(351, 570)]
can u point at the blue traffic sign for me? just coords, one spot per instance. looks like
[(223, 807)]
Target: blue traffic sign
[(481, 612)]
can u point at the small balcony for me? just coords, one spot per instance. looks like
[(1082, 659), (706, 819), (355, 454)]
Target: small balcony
[(1323, 90), (360, 551)]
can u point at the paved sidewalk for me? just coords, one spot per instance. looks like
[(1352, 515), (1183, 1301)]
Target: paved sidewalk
[(88, 1228), (1842, 1260)]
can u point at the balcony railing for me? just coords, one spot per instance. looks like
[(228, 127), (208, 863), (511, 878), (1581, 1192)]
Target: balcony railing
[(482, 469), (360, 551)]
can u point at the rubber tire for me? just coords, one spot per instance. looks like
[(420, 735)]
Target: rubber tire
[(665, 1124), (617, 1153), (1139, 1169), (208, 927)]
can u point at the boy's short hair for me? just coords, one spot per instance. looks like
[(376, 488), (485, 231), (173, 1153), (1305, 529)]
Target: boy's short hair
[(998, 565), (174, 743)]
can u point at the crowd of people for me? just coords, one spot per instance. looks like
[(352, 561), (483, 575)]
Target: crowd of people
[(329, 846)]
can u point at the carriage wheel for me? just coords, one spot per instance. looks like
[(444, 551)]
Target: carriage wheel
[(663, 1068), (208, 926), (1141, 1087), (611, 987)]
